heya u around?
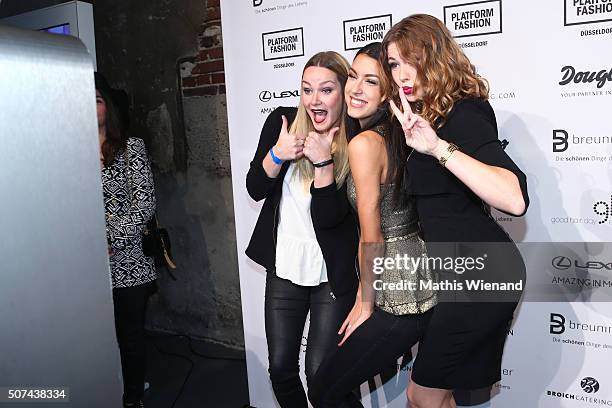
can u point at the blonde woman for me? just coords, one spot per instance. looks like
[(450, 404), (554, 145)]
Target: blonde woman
[(306, 235)]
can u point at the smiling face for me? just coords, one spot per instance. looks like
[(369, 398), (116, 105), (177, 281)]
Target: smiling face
[(322, 97), (363, 93), (404, 74)]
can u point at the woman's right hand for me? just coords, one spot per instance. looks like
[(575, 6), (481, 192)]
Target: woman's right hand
[(289, 146), (360, 312)]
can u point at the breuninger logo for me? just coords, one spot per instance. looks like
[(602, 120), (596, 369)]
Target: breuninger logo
[(561, 142), (559, 324)]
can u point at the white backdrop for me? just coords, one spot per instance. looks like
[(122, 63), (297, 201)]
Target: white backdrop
[(549, 64)]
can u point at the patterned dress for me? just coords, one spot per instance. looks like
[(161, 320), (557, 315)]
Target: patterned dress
[(129, 203)]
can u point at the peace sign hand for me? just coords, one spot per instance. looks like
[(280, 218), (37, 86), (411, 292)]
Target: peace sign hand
[(418, 132), (289, 146)]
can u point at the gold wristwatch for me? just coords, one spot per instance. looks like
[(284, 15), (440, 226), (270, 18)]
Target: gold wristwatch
[(450, 149)]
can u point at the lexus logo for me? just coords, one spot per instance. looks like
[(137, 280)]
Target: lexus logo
[(589, 385), (561, 262), (265, 96)]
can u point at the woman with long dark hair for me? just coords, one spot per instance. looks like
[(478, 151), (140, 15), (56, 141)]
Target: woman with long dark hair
[(306, 235), (456, 173), (389, 315), (129, 202)]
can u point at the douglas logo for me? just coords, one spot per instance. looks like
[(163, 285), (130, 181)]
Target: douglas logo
[(570, 75)]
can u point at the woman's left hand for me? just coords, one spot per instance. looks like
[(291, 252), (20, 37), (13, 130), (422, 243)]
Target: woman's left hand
[(418, 131), (317, 146)]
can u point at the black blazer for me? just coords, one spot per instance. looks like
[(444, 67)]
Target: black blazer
[(334, 221)]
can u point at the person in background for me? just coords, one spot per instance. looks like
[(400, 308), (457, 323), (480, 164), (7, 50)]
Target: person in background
[(306, 234), (129, 203), (457, 172)]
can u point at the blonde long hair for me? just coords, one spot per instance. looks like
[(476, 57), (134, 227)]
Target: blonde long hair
[(302, 123), (444, 73)]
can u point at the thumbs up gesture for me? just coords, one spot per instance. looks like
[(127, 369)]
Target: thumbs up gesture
[(317, 146), (289, 146)]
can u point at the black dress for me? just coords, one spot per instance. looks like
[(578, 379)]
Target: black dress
[(463, 346)]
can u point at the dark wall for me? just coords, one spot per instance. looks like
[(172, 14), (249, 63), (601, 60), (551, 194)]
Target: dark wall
[(167, 55)]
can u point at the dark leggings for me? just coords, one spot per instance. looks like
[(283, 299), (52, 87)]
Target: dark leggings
[(374, 346), (130, 305), (286, 308)]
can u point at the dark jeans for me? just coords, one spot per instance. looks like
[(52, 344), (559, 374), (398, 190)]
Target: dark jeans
[(286, 307), (130, 306), (374, 346)]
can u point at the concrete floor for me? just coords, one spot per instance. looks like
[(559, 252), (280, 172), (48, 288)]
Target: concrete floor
[(181, 377)]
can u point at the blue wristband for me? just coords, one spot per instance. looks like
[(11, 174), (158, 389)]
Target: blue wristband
[(274, 158)]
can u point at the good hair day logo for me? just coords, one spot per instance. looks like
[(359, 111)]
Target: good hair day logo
[(475, 18)]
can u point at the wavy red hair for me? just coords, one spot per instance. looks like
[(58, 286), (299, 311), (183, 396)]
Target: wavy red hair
[(444, 73)]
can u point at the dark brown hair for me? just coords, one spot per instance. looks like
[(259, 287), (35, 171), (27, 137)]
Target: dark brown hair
[(116, 139)]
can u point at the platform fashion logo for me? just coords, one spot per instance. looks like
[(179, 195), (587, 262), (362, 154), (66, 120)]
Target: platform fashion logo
[(283, 44), (474, 19), (362, 31), (586, 11)]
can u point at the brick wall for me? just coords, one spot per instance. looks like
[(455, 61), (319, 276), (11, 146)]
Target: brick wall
[(207, 76)]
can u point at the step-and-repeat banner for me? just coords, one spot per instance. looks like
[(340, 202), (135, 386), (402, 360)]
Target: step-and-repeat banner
[(549, 64)]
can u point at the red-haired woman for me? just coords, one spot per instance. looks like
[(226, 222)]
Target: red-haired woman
[(458, 170)]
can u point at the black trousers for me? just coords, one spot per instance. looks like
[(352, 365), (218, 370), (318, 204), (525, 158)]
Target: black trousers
[(130, 305), (286, 308), (375, 346)]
